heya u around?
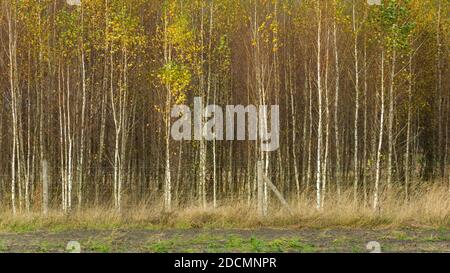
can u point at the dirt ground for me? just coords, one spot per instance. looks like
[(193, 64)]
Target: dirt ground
[(234, 240)]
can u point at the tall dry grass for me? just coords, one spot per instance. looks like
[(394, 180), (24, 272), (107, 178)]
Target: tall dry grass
[(426, 207)]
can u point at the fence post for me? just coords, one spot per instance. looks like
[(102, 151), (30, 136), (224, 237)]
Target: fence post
[(44, 187)]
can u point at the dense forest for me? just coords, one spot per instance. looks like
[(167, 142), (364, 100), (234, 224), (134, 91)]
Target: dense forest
[(87, 90)]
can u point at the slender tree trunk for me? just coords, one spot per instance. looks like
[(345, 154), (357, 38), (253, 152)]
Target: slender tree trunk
[(83, 111), (356, 121), (294, 132), (380, 140), (391, 121), (439, 152), (408, 129), (211, 28), (69, 138), (327, 125), (310, 139), (319, 126), (336, 109), (365, 148), (203, 147), (11, 55), (167, 176)]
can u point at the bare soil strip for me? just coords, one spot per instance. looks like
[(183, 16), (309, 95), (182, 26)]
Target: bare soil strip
[(230, 240)]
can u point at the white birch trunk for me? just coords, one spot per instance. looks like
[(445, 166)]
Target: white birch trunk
[(319, 126), (391, 120), (336, 108), (380, 140)]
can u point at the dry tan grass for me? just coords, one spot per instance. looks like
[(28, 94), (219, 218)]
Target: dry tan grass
[(426, 207)]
